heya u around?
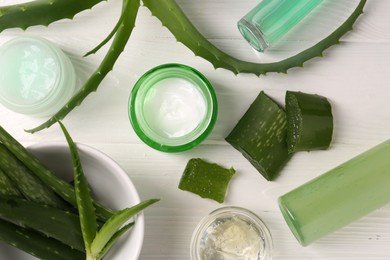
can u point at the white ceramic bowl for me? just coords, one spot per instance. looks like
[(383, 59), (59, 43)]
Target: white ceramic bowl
[(110, 184)]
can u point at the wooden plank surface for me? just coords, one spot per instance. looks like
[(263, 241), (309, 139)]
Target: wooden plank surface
[(353, 75)]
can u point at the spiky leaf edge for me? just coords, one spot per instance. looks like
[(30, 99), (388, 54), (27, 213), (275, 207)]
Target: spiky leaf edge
[(41, 12), (117, 46), (172, 17), (85, 206)]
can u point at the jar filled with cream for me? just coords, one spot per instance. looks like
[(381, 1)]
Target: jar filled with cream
[(36, 77), (172, 108), (231, 233)]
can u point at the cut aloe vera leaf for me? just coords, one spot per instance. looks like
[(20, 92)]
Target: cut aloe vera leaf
[(61, 187), (208, 180), (26, 182), (37, 244), (260, 135), (52, 222), (309, 122), (7, 188)]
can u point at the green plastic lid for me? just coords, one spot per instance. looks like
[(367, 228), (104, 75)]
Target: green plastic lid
[(172, 108)]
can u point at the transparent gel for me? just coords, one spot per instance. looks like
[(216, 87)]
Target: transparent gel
[(270, 20), (231, 233)]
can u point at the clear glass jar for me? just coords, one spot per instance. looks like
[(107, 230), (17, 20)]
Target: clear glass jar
[(173, 108), (231, 233), (270, 20), (36, 77)]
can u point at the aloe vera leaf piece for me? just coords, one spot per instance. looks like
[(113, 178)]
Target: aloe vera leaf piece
[(7, 188), (119, 42), (171, 16), (114, 223), (88, 222), (27, 183), (52, 222), (61, 187), (309, 122), (41, 12), (36, 244), (208, 180), (260, 135), (113, 239)]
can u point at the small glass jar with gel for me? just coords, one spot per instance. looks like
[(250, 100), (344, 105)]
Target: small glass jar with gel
[(270, 20), (36, 77), (231, 233), (172, 108)]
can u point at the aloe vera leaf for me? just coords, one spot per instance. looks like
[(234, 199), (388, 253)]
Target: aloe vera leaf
[(114, 223), (113, 239), (118, 44), (61, 187), (208, 180), (309, 122), (171, 16), (27, 183), (37, 244), (41, 12), (109, 36), (86, 209), (52, 222), (260, 135), (7, 188)]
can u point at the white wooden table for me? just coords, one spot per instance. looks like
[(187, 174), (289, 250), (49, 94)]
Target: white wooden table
[(355, 76)]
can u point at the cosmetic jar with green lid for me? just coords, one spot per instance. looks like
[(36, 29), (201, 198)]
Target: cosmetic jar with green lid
[(36, 77), (231, 233), (173, 108)]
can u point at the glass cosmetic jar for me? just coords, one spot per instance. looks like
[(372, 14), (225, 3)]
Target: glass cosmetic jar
[(265, 24), (172, 108), (231, 233), (36, 77)]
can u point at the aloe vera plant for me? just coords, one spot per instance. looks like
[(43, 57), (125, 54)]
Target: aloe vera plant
[(97, 242), (52, 222), (61, 187), (170, 14), (36, 243)]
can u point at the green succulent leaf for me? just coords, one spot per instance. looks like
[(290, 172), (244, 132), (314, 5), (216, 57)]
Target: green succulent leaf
[(119, 42), (113, 224), (37, 244), (171, 16), (113, 239), (56, 223), (85, 206), (41, 12)]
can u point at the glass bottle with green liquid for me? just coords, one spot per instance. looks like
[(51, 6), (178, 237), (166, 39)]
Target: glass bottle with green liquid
[(265, 24)]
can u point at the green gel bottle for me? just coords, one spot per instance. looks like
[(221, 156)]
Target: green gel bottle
[(340, 196), (271, 19)]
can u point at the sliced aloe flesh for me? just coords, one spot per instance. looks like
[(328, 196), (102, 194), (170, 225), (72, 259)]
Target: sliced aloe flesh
[(309, 121), (260, 136), (208, 180)]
